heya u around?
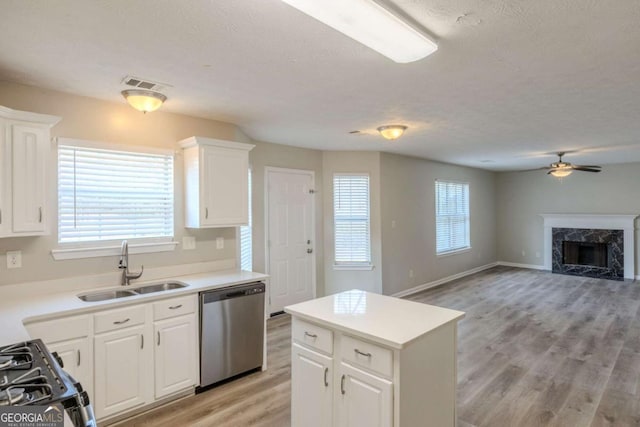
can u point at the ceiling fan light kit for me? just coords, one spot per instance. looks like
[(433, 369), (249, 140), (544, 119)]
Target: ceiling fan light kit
[(392, 132), (562, 169), (144, 100), (371, 24)]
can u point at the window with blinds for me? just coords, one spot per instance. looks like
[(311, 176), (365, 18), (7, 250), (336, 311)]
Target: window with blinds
[(246, 251), (106, 195), (351, 219), (452, 216)]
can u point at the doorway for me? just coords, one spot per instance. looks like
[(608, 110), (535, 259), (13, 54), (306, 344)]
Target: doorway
[(290, 239)]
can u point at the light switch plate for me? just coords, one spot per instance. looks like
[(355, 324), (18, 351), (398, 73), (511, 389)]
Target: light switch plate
[(14, 259), (188, 243), (219, 242)]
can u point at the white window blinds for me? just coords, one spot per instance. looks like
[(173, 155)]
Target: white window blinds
[(246, 252), (452, 216), (113, 195), (351, 219)]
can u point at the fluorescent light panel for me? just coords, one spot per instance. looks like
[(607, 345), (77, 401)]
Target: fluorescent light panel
[(370, 24)]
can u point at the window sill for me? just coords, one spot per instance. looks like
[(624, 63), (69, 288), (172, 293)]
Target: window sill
[(454, 252), (105, 251), (353, 267)]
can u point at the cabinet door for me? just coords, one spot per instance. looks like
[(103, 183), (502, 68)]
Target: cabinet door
[(365, 400), (30, 153), (311, 388), (121, 380), (76, 359), (176, 358), (224, 187)]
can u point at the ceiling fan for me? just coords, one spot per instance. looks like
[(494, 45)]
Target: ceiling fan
[(561, 169)]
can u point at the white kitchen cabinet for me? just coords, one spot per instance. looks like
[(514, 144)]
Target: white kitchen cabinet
[(312, 404), (176, 356), (25, 157), (69, 337), (393, 361), (122, 381), (75, 357), (216, 182), (365, 399)]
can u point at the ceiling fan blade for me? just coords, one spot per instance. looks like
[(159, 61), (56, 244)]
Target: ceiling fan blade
[(587, 166), (585, 169)]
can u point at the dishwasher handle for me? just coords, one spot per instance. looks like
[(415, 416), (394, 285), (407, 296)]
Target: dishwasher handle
[(233, 292)]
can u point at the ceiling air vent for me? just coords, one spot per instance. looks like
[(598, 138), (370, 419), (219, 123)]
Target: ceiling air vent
[(137, 82)]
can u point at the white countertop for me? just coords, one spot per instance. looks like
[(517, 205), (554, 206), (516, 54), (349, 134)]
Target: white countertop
[(391, 321), (35, 303)]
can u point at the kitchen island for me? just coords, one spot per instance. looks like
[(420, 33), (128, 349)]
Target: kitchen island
[(363, 359)]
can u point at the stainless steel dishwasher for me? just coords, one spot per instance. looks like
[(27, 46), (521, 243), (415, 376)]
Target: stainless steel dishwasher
[(231, 331)]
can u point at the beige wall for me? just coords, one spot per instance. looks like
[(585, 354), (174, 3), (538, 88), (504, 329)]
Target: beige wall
[(283, 156), (408, 200), (522, 196), (353, 162), (92, 119)]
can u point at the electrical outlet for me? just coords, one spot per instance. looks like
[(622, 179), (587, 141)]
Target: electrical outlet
[(188, 243), (411, 274), (219, 242), (524, 253), (14, 259), (537, 254), (393, 223)]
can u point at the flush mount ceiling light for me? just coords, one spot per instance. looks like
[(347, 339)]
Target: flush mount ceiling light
[(144, 100), (392, 131), (372, 25)]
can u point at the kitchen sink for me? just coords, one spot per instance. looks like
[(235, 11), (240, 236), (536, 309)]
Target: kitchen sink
[(122, 293), (159, 287), (106, 295)]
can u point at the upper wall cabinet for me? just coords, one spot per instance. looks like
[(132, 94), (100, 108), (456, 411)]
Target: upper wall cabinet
[(25, 158), (216, 182)]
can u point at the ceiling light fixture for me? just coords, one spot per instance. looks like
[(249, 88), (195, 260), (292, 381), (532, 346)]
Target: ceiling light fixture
[(561, 172), (144, 100), (372, 25), (392, 131)]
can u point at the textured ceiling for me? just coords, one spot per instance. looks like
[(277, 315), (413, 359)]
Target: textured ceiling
[(511, 80)]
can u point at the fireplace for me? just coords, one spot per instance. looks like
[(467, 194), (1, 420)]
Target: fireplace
[(601, 246), (588, 252)]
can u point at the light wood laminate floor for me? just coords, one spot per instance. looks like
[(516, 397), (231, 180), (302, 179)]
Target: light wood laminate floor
[(535, 349)]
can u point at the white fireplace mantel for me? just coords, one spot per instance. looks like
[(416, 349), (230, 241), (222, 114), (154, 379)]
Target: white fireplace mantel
[(601, 222)]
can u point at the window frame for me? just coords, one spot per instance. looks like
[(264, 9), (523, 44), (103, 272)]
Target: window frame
[(461, 249), (353, 265), (249, 225), (102, 248)]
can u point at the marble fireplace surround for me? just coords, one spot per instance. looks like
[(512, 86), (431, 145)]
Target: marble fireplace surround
[(600, 222)]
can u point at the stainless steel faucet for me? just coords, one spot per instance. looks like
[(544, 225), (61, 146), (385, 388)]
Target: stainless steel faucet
[(124, 266)]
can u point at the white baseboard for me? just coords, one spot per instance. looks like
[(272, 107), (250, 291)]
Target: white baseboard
[(518, 265), (438, 282)]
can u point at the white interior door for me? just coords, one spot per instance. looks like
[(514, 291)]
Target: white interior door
[(290, 237)]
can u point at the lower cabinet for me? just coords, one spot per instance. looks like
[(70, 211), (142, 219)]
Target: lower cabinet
[(70, 338), (346, 380), (365, 399), (121, 377), (128, 357), (312, 398), (176, 358)]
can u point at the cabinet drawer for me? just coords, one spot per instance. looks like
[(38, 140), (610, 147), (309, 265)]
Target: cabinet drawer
[(174, 307), (119, 318), (377, 359), (66, 328), (312, 336)]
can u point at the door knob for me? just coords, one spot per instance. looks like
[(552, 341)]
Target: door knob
[(309, 250)]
